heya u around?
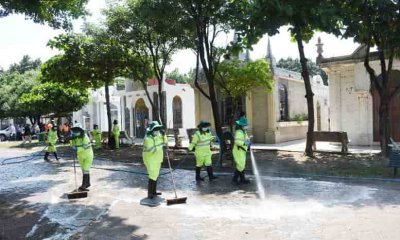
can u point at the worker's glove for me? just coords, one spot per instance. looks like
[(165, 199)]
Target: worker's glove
[(74, 148), (162, 132), (217, 139), (247, 143)]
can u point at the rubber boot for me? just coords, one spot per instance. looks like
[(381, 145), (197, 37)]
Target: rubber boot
[(46, 156), (155, 193), (55, 155), (210, 173), (235, 179), (150, 189), (198, 177), (243, 178), (85, 179)]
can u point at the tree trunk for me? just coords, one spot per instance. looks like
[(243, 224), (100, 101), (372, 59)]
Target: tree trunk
[(109, 123), (309, 93), (161, 105), (215, 109), (153, 107), (384, 123), (32, 120)]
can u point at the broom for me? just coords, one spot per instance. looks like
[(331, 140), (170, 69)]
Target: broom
[(76, 193), (175, 200)]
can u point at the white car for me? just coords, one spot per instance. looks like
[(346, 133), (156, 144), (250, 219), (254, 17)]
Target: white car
[(5, 134)]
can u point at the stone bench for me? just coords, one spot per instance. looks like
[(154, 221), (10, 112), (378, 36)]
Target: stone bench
[(340, 137), (174, 133)]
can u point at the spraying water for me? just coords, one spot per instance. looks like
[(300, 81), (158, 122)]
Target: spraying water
[(260, 187)]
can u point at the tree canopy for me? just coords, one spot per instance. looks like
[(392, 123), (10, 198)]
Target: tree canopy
[(89, 60), (237, 77), (52, 98), (57, 13), (25, 64), (153, 29), (180, 77), (295, 65)]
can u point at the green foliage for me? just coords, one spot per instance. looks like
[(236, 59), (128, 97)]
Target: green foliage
[(152, 30), (179, 77), (13, 85), (25, 64), (57, 13), (300, 118), (236, 77), (295, 65), (89, 60), (54, 98)]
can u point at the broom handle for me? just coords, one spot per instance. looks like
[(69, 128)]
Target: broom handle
[(172, 174), (169, 165), (76, 185)]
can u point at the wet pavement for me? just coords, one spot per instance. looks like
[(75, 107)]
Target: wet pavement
[(33, 205)]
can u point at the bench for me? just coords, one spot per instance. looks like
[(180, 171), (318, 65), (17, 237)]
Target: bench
[(394, 156), (174, 133), (340, 137)]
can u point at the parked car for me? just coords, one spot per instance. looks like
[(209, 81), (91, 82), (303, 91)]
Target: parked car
[(5, 134)]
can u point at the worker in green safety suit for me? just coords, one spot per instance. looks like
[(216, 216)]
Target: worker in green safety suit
[(51, 143), (153, 155), (96, 133), (201, 145), (115, 131), (241, 146), (80, 141)]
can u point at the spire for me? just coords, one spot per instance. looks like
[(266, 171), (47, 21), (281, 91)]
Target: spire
[(270, 57), (320, 50)]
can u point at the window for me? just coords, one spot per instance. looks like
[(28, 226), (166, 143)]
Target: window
[(177, 112), (283, 103)]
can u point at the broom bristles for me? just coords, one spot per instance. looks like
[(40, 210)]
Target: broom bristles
[(176, 201), (75, 195)]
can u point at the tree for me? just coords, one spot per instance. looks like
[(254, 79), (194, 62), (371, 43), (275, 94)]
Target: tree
[(295, 65), (376, 23), (25, 64), (89, 60), (52, 98), (204, 21), (179, 77), (13, 85), (236, 77), (304, 17), (151, 27), (58, 14)]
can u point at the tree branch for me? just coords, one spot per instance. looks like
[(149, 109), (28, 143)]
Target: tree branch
[(196, 80), (372, 76)]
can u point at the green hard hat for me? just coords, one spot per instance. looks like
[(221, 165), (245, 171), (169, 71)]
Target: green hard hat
[(203, 124), (242, 121), (153, 125)]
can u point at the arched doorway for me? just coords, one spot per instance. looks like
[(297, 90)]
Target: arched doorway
[(177, 112), (394, 113), (141, 118)]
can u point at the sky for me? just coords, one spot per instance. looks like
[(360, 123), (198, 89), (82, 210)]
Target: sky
[(23, 37)]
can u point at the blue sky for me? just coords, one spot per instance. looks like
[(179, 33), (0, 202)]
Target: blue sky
[(20, 37)]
